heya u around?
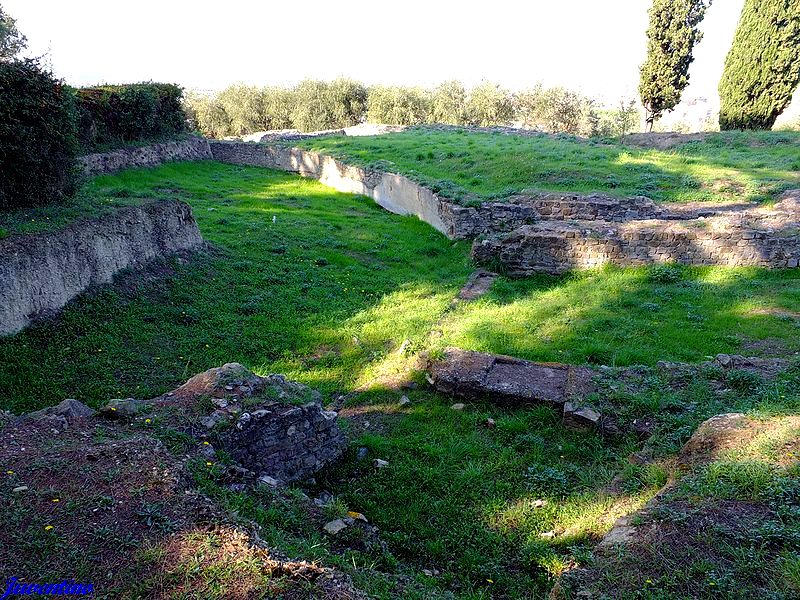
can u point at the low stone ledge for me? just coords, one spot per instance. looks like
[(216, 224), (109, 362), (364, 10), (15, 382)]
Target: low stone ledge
[(193, 148), (509, 381), (40, 273), (763, 237)]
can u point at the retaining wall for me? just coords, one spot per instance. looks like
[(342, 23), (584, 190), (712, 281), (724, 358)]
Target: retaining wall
[(539, 232), (40, 273), (395, 193), (193, 148), (764, 237)]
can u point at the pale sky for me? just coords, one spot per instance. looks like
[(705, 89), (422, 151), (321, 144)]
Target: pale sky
[(589, 45)]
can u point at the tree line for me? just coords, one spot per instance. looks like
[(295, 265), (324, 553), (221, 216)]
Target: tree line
[(316, 105)]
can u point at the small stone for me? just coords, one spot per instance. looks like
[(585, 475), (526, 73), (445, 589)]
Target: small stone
[(490, 423), (118, 408), (269, 481), (357, 516), (334, 527), (380, 464), (362, 453), (324, 499), (539, 503), (244, 419), (219, 402), (20, 488), (547, 535), (237, 487), (458, 406), (724, 360), (404, 401), (579, 418)]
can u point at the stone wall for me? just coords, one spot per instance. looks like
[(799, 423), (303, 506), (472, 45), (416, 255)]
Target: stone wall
[(40, 273), (193, 148), (395, 193), (537, 232), (285, 442), (764, 236)]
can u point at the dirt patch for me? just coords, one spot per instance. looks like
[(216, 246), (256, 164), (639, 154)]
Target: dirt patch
[(662, 141)]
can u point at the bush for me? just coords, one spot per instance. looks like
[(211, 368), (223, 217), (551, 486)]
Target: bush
[(38, 144), (449, 104), (398, 105), (114, 114), (320, 105), (489, 104), (557, 110)]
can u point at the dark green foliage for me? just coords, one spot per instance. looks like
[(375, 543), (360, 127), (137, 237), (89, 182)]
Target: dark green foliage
[(114, 114), (671, 37), (762, 69), (12, 42), (37, 136), (320, 105)]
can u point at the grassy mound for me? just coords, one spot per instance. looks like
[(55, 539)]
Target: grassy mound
[(474, 166)]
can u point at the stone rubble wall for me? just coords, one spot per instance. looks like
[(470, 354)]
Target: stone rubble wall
[(288, 443), (765, 237), (40, 273), (192, 148)]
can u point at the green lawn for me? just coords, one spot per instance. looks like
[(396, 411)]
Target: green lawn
[(471, 166), (324, 287)]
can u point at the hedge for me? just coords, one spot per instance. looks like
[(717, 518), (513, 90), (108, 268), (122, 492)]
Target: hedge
[(113, 114), (38, 142)]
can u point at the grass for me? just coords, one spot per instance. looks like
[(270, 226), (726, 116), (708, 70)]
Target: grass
[(325, 287), (471, 167), (334, 285)]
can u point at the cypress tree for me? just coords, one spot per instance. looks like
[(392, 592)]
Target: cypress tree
[(671, 37), (762, 68)]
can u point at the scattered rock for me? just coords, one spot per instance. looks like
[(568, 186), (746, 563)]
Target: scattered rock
[(490, 423), (334, 527), (458, 406), (477, 285), (547, 535), (380, 464), (324, 499), (70, 410), (362, 453), (128, 408), (269, 481), (580, 418), (20, 488), (404, 401), (356, 516), (539, 503)]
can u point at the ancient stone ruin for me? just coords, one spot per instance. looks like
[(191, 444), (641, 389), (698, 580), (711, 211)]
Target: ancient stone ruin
[(274, 427), (513, 382), (552, 232), (40, 273)]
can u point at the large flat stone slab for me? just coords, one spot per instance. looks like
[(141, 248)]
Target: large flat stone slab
[(509, 381)]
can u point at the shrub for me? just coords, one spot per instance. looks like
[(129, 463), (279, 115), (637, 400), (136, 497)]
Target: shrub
[(449, 104), (38, 144), (489, 104), (762, 68), (398, 105), (114, 114), (320, 105), (556, 110)]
